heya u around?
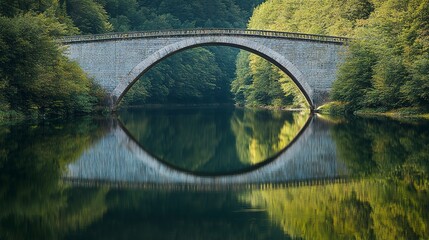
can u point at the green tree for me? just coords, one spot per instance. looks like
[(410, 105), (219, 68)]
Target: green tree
[(386, 67), (259, 82), (395, 37), (53, 9), (416, 54), (354, 77), (39, 79), (186, 77), (89, 16), (173, 14), (241, 87), (331, 17)]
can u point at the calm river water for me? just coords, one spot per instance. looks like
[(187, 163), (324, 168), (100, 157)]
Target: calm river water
[(214, 173)]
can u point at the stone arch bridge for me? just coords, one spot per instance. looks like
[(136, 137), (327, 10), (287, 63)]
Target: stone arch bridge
[(117, 60)]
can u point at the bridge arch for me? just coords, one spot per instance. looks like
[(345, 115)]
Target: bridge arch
[(233, 41)]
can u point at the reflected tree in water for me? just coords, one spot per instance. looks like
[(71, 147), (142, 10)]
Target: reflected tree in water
[(33, 158), (387, 199), (397, 151), (262, 134)]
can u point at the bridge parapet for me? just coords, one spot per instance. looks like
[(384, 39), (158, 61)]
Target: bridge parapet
[(203, 32)]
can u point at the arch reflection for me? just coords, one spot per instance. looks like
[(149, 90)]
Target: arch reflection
[(213, 141), (119, 158)]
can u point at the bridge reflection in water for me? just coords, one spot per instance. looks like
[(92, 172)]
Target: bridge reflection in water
[(118, 160)]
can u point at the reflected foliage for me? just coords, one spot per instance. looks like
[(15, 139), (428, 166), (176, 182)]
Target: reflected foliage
[(31, 197), (387, 200), (395, 150), (187, 139), (263, 134), (157, 214), (365, 209), (212, 140)]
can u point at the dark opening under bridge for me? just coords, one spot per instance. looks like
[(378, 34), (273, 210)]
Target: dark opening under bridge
[(117, 60)]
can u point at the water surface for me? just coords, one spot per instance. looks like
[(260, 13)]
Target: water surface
[(339, 179)]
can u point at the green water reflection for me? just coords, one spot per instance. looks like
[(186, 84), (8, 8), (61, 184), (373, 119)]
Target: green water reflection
[(364, 209), (212, 140), (33, 158), (390, 149), (387, 196)]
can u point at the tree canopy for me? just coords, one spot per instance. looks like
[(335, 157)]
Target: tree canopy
[(386, 67), (387, 63), (36, 78), (203, 75)]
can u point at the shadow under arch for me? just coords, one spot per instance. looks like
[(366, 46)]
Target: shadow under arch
[(201, 177), (232, 41)]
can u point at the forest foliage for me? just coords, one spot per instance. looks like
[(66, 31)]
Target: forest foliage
[(199, 75), (387, 65), (261, 83), (36, 79)]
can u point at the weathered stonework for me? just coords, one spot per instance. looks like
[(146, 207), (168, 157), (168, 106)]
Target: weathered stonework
[(116, 61)]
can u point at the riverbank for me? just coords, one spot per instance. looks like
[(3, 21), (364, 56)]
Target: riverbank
[(7, 116), (338, 109), (12, 116), (205, 105), (274, 108)]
